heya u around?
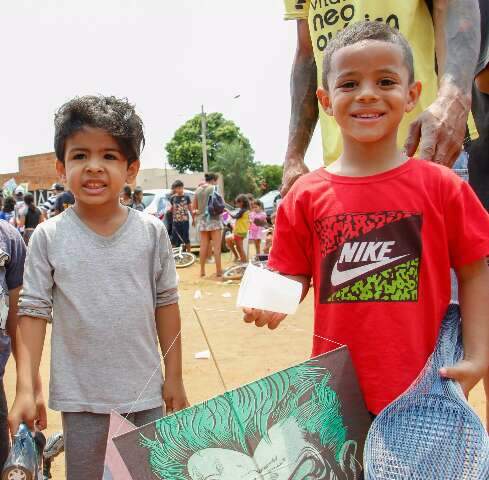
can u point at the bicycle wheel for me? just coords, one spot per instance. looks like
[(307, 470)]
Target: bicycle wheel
[(184, 259), (235, 273)]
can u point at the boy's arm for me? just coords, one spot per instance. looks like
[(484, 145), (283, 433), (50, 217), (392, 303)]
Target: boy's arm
[(168, 326), (30, 340), (12, 325), (474, 304), (273, 319)]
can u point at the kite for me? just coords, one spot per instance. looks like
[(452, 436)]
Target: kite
[(303, 423)]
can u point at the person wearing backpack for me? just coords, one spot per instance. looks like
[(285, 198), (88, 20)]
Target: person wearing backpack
[(207, 207)]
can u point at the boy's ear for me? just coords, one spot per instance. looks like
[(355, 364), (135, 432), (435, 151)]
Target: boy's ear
[(324, 100), (413, 95), (61, 171), (132, 171)]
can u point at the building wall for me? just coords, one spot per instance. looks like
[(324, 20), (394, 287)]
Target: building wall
[(153, 178), (38, 171)]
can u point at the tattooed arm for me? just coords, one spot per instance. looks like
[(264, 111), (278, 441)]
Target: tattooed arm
[(440, 130), (304, 109)]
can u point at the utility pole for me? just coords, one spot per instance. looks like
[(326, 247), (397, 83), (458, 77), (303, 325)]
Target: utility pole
[(204, 141)]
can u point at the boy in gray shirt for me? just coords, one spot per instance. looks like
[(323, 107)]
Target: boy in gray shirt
[(104, 274)]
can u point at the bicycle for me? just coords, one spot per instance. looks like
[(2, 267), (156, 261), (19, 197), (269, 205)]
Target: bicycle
[(182, 258), (236, 272)]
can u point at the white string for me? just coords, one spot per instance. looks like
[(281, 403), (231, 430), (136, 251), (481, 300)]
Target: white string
[(147, 383)]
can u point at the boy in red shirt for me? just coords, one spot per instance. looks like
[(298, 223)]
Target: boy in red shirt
[(378, 232)]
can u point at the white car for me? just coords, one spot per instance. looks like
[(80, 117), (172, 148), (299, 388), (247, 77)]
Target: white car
[(157, 202)]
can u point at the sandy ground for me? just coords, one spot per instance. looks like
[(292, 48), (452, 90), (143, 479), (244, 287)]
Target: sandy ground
[(244, 353)]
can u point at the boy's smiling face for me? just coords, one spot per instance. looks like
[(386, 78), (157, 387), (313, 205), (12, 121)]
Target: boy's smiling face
[(95, 168), (368, 90)]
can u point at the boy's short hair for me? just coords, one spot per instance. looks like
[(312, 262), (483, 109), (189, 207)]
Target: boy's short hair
[(210, 177), (367, 30), (176, 184), (114, 115)]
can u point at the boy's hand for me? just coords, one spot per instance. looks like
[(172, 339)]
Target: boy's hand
[(465, 372), (174, 395), (263, 317), (42, 416), (24, 410)]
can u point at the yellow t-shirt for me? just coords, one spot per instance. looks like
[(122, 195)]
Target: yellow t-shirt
[(411, 17), (242, 224)]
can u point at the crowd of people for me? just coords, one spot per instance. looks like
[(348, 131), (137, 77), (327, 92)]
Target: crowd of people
[(377, 231)]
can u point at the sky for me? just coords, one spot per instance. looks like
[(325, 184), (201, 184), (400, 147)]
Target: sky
[(168, 57)]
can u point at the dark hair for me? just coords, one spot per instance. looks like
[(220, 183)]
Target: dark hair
[(176, 184), (244, 199), (127, 190), (259, 203), (116, 116), (209, 177), (29, 201), (9, 204), (367, 30)]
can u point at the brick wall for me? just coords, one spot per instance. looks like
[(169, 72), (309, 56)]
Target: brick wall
[(39, 171)]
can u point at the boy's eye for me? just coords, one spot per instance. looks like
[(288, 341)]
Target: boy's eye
[(79, 156), (387, 82), (110, 156), (347, 85)]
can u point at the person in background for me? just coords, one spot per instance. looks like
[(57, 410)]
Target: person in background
[(12, 256), (19, 205), (210, 228), (449, 28), (8, 211), (48, 206), (258, 221), (241, 226), (137, 199), (180, 204), (126, 196), (30, 217), (63, 201)]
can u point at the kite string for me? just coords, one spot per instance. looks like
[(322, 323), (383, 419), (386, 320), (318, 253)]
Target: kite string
[(158, 367), (221, 377)]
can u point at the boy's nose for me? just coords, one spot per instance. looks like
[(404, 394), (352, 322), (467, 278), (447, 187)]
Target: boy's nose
[(94, 166), (367, 94)]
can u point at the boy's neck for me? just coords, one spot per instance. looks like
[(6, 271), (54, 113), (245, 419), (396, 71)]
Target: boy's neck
[(104, 219), (362, 159)]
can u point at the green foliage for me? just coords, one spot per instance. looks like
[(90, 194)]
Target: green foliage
[(269, 177), (185, 148), (234, 162)]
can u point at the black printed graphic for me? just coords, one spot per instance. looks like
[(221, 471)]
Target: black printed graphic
[(370, 256)]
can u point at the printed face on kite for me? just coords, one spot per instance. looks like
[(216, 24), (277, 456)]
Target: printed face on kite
[(284, 427), (286, 455)]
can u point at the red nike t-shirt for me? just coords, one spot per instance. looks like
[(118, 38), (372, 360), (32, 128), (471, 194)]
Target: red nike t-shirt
[(379, 250)]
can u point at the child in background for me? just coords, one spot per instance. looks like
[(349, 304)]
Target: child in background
[(240, 228), (378, 232), (137, 199), (269, 234), (180, 212), (104, 275), (258, 221)]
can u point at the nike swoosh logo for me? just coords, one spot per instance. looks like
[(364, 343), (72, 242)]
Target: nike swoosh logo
[(337, 277)]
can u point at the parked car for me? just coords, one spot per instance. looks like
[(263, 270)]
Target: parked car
[(270, 202)]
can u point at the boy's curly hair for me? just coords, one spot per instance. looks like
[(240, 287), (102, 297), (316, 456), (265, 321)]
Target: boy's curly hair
[(114, 115)]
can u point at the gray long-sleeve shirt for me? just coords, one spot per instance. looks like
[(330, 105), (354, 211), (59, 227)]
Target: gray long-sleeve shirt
[(101, 293)]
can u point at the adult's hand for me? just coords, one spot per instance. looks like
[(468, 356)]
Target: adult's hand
[(292, 171), (440, 130)]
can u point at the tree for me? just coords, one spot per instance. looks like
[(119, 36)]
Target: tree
[(235, 163), (270, 177), (185, 148)]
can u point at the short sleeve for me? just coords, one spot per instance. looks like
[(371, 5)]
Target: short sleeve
[(36, 296), (467, 225), (166, 277), (14, 270), (296, 9), (292, 239)]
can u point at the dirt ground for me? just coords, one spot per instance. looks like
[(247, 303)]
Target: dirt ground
[(244, 353)]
